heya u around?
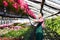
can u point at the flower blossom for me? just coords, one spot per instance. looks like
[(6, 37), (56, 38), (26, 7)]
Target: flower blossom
[(15, 5), (29, 11), (21, 3), (5, 3)]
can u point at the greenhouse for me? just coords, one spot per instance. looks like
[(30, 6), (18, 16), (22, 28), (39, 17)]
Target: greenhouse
[(29, 19)]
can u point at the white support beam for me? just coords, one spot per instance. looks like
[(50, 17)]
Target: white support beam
[(52, 4)]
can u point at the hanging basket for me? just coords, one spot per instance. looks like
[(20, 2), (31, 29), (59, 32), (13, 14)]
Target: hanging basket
[(18, 7)]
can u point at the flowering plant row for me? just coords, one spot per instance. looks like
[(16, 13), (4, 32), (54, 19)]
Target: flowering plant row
[(15, 30), (17, 6)]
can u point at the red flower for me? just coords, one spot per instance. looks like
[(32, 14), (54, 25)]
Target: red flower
[(15, 5), (5, 3)]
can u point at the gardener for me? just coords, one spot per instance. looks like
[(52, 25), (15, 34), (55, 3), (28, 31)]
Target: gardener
[(39, 27)]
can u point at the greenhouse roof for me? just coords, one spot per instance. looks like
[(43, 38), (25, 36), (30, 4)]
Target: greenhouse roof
[(51, 7)]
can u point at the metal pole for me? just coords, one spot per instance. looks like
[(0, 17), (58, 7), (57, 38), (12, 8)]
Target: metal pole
[(42, 4)]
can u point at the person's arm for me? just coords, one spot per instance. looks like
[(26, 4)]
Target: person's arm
[(39, 20)]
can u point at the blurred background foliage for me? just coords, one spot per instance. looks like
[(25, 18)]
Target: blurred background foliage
[(52, 30)]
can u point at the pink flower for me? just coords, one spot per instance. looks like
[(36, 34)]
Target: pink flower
[(20, 1), (17, 27), (31, 14), (5, 25), (5, 3), (27, 10), (15, 5), (24, 6)]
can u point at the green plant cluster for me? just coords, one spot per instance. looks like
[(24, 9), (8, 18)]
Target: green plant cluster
[(53, 24), (18, 33)]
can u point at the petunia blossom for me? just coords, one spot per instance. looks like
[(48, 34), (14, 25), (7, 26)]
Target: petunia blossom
[(21, 3), (31, 14), (5, 3), (15, 5)]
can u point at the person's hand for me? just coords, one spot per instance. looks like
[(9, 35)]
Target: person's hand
[(35, 20), (26, 22)]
